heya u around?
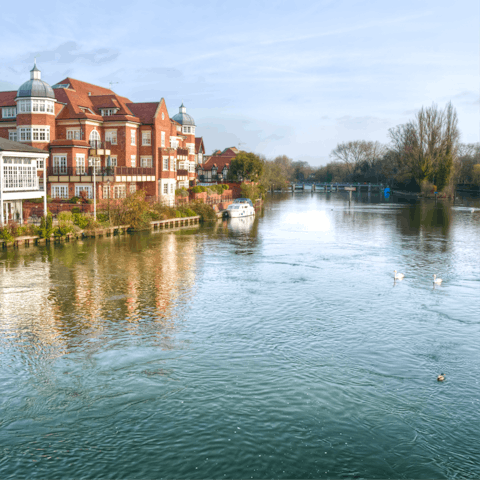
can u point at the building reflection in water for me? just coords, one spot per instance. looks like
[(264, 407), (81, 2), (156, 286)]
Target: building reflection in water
[(85, 288)]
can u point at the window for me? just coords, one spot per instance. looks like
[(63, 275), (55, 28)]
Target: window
[(133, 161), (84, 188), (36, 106), (60, 165), (41, 134), (94, 139), (20, 174), (133, 187), (165, 188), (80, 164), (59, 191), (146, 138), (119, 191), (165, 163), (25, 134), (106, 112), (111, 136), (95, 162), (106, 191), (173, 163), (162, 136), (163, 116), (73, 134), (172, 188), (173, 142), (12, 135), (113, 161), (132, 137), (40, 163), (9, 112), (146, 162)]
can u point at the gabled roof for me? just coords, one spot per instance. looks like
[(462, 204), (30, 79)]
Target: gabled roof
[(144, 111), (217, 161), (199, 145), (11, 146)]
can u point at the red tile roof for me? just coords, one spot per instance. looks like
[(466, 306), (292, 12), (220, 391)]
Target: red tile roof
[(199, 144), (7, 99), (144, 111)]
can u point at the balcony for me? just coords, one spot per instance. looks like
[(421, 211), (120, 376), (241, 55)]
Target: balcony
[(101, 174)]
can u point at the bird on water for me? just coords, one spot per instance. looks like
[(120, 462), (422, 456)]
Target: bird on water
[(398, 276), (437, 281), (441, 377)]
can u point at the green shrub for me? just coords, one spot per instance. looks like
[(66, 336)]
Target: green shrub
[(65, 217), (46, 226), (181, 192), (75, 210), (75, 200), (6, 234), (82, 221), (199, 189), (206, 212)]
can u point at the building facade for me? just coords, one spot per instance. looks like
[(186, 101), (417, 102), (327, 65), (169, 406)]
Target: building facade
[(215, 167), (22, 177), (101, 142)]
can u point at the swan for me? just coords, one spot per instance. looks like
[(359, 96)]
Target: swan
[(441, 377), (437, 281), (398, 276), (472, 210)]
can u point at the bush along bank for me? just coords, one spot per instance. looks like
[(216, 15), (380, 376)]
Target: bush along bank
[(133, 212)]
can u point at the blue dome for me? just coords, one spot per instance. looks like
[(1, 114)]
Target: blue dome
[(183, 118), (36, 88)]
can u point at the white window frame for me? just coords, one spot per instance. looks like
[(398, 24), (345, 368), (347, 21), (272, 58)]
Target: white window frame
[(9, 112), (111, 136), (146, 137), (94, 137), (60, 190), (119, 191), (165, 164), (79, 164), (133, 161), (133, 137), (165, 188), (146, 162), (95, 162), (88, 187), (162, 139), (113, 160), (73, 134), (13, 135), (132, 188), (173, 164), (59, 163)]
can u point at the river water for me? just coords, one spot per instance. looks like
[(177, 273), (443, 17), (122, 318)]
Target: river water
[(279, 347)]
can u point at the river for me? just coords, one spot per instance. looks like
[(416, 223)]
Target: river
[(274, 347)]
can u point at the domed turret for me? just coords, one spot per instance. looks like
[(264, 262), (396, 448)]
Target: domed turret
[(35, 87), (183, 118)]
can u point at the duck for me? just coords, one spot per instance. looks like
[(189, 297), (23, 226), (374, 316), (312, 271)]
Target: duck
[(436, 281), (441, 377), (398, 276)]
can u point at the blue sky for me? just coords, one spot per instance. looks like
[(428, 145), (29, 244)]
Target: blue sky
[(273, 77)]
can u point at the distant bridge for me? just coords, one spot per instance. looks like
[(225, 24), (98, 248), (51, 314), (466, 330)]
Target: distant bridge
[(332, 187)]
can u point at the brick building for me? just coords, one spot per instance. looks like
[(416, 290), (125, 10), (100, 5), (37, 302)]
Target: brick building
[(215, 167), (98, 139)]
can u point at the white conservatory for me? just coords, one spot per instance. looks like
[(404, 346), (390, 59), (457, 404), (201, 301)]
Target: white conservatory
[(19, 179)]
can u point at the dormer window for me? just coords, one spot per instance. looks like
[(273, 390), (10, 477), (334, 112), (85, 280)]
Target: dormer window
[(86, 110), (106, 112), (9, 112)]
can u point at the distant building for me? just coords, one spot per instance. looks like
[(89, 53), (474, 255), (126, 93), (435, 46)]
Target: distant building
[(215, 167), (20, 166), (94, 136)]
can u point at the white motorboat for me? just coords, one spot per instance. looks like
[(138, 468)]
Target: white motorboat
[(241, 207)]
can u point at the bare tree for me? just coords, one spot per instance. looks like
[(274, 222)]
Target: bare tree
[(427, 147)]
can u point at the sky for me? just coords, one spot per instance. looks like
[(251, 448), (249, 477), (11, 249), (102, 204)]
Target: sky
[(272, 77)]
